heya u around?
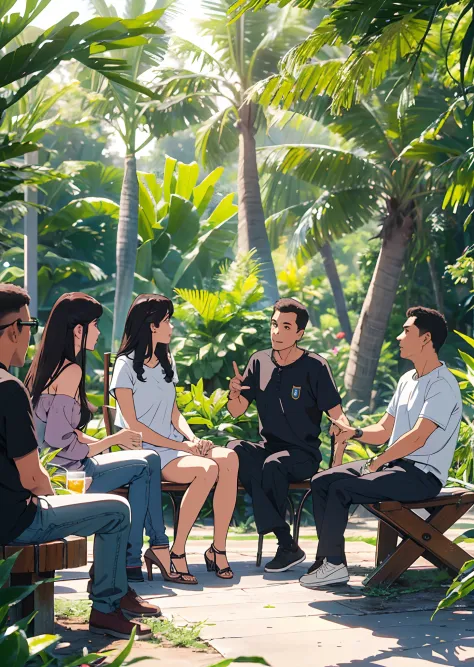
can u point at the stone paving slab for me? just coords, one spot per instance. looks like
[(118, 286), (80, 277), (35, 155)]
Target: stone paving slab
[(344, 648), (272, 616), (450, 654)]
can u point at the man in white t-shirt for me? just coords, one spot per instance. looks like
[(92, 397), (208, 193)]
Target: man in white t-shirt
[(421, 425)]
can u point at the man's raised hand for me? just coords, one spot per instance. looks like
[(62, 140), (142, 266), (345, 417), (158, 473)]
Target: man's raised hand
[(235, 385)]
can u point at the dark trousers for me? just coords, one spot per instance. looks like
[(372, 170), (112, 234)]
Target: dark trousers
[(266, 475), (336, 489)]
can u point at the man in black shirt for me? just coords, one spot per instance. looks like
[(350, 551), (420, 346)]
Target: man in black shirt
[(32, 513), (292, 388)]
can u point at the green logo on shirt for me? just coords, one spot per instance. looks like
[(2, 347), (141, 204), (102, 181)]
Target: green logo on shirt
[(296, 393)]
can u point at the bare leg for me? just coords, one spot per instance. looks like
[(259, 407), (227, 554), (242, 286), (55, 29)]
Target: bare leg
[(201, 475), (224, 497)]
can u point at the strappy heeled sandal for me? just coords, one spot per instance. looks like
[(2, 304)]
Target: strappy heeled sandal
[(152, 559), (192, 579), (212, 565)]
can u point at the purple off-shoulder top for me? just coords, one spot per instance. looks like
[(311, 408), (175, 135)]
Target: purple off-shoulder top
[(58, 416)]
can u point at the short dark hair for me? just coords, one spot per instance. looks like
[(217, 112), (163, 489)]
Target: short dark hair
[(12, 298), (293, 306), (430, 321)]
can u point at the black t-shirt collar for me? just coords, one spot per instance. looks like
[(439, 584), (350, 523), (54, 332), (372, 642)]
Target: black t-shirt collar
[(305, 352), (3, 367)]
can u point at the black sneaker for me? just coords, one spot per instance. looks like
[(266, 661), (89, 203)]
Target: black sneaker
[(135, 574), (285, 558)]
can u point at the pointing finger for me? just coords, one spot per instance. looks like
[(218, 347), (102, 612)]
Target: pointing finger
[(236, 371)]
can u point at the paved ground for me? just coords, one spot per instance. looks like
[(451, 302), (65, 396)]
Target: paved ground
[(272, 616)]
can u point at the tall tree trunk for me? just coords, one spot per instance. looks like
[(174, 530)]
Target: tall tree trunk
[(373, 320), (252, 233), (336, 287), (126, 252), (438, 293)]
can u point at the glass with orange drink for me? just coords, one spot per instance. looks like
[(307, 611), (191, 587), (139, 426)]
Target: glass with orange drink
[(76, 481)]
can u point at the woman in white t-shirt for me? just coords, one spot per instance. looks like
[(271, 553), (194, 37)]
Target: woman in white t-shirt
[(144, 386)]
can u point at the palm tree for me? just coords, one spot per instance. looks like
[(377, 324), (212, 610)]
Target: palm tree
[(127, 112), (365, 182), (245, 52)]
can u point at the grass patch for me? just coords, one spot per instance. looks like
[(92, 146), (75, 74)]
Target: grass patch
[(411, 582), (181, 636), (359, 538), (77, 609), (186, 636)]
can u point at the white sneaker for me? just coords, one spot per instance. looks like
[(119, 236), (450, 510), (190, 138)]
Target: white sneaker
[(326, 575)]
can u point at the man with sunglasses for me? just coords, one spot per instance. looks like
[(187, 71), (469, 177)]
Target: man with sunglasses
[(33, 324), (32, 513)]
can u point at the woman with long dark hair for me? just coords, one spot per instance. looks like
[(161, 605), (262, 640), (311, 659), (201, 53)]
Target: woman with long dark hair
[(56, 381), (143, 385)]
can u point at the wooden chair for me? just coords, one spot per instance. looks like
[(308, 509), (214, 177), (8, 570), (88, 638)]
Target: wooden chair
[(420, 536), (35, 563)]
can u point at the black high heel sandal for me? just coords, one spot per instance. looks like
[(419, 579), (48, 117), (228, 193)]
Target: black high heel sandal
[(151, 559), (192, 579), (212, 565)]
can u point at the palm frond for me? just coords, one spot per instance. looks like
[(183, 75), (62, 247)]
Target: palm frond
[(239, 7), (217, 136), (184, 99), (333, 215), (321, 166), (280, 223), (284, 191), (185, 49)]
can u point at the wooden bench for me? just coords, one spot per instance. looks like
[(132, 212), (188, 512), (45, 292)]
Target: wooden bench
[(35, 563), (420, 536)]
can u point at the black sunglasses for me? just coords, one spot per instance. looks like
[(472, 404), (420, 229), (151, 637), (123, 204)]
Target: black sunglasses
[(33, 324)]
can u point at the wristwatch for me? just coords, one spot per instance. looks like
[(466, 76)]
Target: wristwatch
[(358, 433)]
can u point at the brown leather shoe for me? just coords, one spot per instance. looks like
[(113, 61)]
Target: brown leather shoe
[(133, 605), (116, 625)]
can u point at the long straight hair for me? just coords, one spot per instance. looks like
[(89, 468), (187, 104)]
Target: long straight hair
[(137, 338), (57, 347)]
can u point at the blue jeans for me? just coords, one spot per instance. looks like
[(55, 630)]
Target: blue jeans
[(142, 471), (105, 516)]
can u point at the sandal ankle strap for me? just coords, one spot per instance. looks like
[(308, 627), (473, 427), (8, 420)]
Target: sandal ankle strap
[(216, 551), (177, 556)]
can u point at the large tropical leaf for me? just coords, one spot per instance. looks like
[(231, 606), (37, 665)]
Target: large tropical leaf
[(63, 267), (211, 307), (65, 41), (77, 211)]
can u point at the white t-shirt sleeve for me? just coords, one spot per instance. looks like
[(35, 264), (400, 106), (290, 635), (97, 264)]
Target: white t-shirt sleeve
[(124, 376), (393, 405), (439, 403)]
